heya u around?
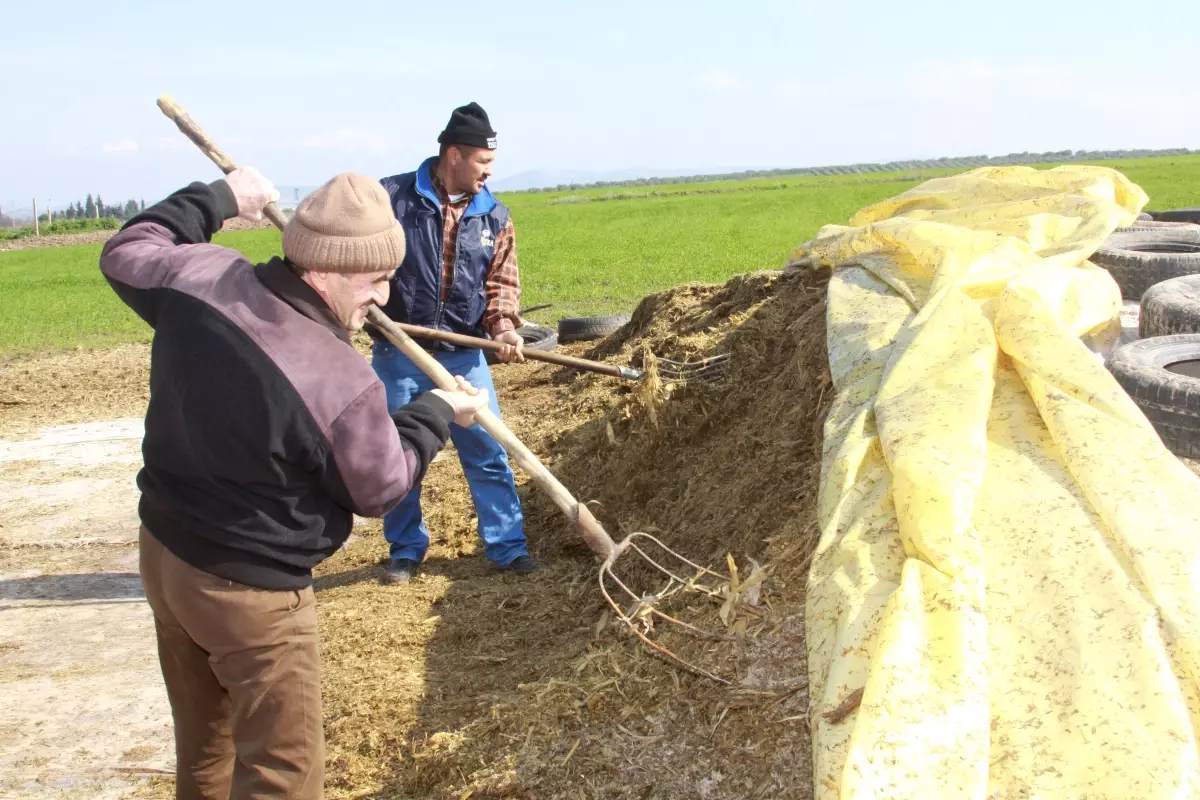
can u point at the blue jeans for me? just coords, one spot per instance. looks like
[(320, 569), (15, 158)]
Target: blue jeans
[(490, 479)]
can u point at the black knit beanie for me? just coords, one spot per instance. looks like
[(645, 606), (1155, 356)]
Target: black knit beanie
[(469, 125)]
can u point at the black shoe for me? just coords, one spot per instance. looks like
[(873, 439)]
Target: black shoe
[(522, 565), (401, 570)]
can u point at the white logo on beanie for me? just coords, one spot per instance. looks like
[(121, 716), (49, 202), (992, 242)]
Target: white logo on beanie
[(491, 143)]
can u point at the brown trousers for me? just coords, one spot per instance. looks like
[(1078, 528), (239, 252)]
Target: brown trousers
[(242, 670)]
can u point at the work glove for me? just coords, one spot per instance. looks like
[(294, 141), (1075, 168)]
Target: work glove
[(252, 191), (466, 402)]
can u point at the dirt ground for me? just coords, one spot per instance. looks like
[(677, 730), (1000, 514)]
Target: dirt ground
[(466, 683), (76, 652), (85, 709)]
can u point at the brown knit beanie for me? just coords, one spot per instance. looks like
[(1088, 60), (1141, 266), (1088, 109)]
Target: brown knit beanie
[(347, 225)]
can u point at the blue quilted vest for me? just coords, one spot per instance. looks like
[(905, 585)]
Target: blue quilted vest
[(416, 291)]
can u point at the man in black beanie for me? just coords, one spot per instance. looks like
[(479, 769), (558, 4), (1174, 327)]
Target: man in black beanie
[(469, 126), (459, 274)]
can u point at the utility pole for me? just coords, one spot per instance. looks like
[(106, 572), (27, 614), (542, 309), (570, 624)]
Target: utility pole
[(49, 212), (36, 231)]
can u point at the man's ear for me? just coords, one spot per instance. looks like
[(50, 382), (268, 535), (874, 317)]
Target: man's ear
[(317, 280)]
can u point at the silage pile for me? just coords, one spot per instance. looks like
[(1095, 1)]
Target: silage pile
[(527, 688), (727, 467)]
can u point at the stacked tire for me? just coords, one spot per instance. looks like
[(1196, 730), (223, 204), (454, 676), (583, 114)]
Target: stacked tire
[(1158, 261), (1140, 257), (1162, 375), (1171, 307), (1191, 215), (586, 329), (570, 329)]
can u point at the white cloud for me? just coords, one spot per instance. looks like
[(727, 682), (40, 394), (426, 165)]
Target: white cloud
[(166, 142), (617, 36), (976, 81), (348, 140), (119, 146), (717, 80), (1031, 95), (792, 90), (954, 108)]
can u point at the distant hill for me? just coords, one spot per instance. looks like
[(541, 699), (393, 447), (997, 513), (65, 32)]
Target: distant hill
[(570, 180), (546, 179), (550, 181)]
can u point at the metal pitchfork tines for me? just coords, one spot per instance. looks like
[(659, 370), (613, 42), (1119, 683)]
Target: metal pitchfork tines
[(644, 608), (706, 369)]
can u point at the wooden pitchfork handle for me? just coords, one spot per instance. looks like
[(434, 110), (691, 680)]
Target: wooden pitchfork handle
[(562, 360), (594, 535)]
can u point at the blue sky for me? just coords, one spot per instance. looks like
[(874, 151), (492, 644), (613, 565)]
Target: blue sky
[(304, 90)]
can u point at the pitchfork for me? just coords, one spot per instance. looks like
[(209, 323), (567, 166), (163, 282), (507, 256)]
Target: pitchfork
[(707, 369), (644, 606)]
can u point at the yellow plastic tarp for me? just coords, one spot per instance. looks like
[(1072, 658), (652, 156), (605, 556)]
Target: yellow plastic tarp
[(1009, 567)]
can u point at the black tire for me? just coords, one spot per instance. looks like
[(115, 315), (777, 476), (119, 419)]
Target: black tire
[(584, 329), (1170, 398), (1144, 216), (1139, 259), (1171, 307), (536, 337), (1177, 215), (1151, 225)]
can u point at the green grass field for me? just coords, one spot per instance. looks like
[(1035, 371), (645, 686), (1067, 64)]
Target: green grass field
[(55, 297), (588, 252)]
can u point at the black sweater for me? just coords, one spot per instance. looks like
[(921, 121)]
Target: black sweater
[(266, 429)]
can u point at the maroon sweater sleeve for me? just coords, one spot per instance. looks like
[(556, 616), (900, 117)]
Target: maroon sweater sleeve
[(380, 466)]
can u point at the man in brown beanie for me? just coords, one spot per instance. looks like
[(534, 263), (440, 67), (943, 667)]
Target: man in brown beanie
[(265, 433)]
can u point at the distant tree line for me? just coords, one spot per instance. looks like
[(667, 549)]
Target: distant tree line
[(962, 162), (95, 208)]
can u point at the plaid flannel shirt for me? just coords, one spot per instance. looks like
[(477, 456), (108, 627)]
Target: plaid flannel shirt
[(502, 286)]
